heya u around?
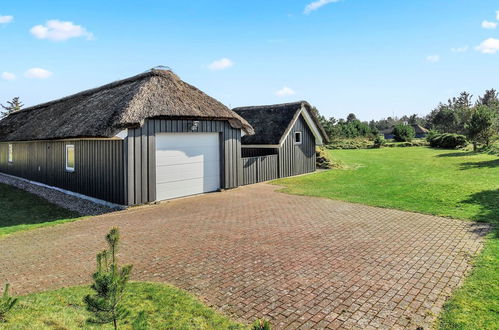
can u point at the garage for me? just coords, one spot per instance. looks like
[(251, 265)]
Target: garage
[(187, 164)]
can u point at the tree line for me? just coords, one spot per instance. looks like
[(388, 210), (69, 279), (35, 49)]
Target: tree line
[(478, 120)]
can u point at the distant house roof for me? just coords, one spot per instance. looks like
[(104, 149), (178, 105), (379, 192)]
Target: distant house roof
[(272, 122), (417, 128), (105, 111)]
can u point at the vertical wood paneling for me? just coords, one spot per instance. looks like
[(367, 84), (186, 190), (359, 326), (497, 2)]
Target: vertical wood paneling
[(259, 169), (138, 165), (98, 166), (151, 146)]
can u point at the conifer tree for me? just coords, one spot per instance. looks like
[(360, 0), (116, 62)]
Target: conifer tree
[(12, 106), (110, 283), (482, 126)]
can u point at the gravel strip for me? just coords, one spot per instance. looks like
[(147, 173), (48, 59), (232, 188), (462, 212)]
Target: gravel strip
[(81, 206)]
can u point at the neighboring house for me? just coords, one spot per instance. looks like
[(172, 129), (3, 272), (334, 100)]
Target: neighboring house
[(421, 132), (147, 138), (290, 131)]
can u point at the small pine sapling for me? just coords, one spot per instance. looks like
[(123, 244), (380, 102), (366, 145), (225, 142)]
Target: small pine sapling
[(261, 325), (6, 303), (110, 283)]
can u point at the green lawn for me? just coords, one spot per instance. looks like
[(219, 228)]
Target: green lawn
[(455, 184), (166, 308), (20, 210)]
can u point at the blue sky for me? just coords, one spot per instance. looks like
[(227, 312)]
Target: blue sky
[(373, 58)]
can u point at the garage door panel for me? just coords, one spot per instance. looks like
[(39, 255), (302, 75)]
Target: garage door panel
[(188, 140), (179, 188), (187, 164), (179, 157), (184, 171)]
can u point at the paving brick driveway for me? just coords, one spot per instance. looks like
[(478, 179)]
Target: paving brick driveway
[(256, 253)]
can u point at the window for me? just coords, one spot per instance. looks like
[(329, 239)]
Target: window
[(11, 153), (297, 137), (70, 158)]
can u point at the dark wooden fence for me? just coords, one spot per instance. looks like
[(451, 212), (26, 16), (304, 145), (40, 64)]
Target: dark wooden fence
[(258, 169)]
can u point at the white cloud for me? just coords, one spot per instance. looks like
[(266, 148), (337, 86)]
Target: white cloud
[(8, 76), (497, 15), (460, 49), (489, 46), (285, 91), (317, 4), (221, 64), (433, 58), (6, 19), (489, 25), (37, 73), (56, 30)]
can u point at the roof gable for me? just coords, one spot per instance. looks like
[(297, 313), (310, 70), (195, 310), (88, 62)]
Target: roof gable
[(106, 110), (272, 123)]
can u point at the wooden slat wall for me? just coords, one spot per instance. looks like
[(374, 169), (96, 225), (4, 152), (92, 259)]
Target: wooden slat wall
[(259, 169), (297, 159), (99, 167), (141, 153)]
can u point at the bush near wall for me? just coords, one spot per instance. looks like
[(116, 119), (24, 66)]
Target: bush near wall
[(323, 161), (403, 133)]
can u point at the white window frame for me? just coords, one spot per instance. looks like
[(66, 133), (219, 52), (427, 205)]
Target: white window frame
[(301, 137), (11, 153), (70, 169)]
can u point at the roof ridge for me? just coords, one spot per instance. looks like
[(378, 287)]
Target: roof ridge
[(114, 84), (280, 105)]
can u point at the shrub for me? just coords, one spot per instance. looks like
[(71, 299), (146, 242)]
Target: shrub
[(109, 285), (447, 141), (379, 141), (432, 134), (359, 143), (261, 325), (6, 303), (403, 133)]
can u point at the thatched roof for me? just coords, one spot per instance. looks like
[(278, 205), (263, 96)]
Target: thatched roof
[(105, 111), (272, 121)]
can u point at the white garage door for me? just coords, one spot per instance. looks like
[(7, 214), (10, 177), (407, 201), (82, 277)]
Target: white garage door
[(187, 164)]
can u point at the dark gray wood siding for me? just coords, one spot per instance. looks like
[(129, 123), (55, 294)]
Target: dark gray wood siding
[(140, 149), (297, 159), (259, 169), (99, 170)]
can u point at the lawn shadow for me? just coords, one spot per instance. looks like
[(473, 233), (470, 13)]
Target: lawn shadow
[(482, 164), (456, 154), (488, 201)]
